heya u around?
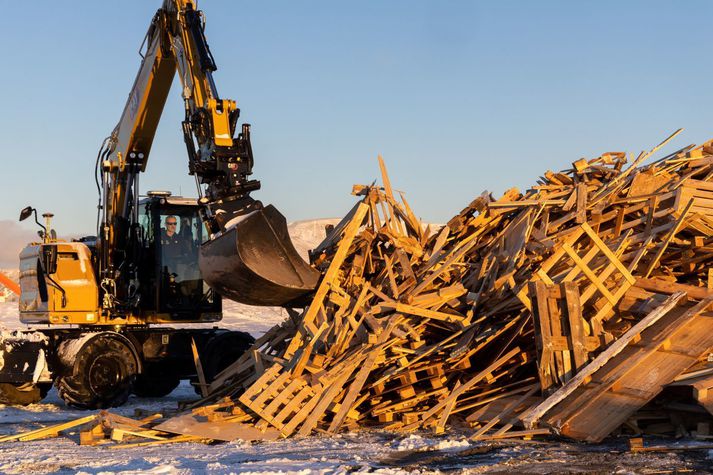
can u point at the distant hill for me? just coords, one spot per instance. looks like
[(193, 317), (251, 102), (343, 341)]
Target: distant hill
[(306, 235), (13, 238)]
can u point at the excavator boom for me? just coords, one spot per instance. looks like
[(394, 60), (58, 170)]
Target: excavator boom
[(249, 256)]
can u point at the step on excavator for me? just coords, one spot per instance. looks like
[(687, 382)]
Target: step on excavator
[(106, 310)]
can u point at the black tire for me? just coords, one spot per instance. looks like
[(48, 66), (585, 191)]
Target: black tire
[(221, 351), (102, 376), (23, 394), (157, 380)]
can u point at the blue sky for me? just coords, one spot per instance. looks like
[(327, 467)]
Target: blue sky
[(458, 96)]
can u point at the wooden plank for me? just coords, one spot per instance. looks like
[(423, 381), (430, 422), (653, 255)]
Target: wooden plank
[(525, 203), (581, 190), (422, 312), (574, 317), (517, 434), (667, 287), (440, 426), (543, 332), (174, 440), (189, 424), (385, 178), (49, 431), (199, 369), (619, 221), (118, 434)]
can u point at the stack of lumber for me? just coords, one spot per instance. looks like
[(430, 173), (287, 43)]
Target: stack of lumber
[(566, 308)]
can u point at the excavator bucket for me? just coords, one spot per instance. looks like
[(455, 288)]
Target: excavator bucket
[(255, 262)]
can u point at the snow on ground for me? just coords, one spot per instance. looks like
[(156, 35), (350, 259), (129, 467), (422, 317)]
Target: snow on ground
[(365, 452)]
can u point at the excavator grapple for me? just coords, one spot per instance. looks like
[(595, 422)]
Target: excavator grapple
[(254, 262)]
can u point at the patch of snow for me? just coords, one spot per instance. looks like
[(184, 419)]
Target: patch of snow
[(417, 442), (18, 335), (68, 349), (10, 317)]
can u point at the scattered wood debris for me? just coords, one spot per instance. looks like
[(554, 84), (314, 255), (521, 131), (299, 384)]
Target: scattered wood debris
[(568, 308)]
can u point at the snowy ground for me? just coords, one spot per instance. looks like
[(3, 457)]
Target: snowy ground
[(365, 452), (369, 452)]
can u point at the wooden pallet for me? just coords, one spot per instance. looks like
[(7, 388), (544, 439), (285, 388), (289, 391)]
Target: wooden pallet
[(280, 399), (560, 333), (603, 397)]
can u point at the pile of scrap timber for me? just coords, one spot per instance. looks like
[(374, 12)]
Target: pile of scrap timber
[(597, 275), (565, 309)]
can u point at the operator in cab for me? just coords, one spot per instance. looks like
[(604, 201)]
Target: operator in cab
[(172, 242), (179, 257)]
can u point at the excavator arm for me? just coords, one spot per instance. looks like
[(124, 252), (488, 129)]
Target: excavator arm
[(249, 256)]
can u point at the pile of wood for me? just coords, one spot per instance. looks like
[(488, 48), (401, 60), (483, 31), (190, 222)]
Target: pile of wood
[(478, 321), (566, 308)]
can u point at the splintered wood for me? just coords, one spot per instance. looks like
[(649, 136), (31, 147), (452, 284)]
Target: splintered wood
[(568, 307)]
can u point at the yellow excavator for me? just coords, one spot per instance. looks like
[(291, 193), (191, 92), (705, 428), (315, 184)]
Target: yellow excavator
[(100, 306)]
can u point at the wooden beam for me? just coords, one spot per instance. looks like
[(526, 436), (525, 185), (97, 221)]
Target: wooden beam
[(199, 369), (668, 287)]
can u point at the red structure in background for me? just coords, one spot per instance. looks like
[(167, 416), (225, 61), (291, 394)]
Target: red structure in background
[(9, 283)]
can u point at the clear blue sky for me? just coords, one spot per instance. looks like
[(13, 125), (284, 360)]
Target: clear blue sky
[(458, 96)]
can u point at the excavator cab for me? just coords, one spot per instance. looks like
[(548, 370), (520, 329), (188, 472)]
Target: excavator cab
[(172, 233)]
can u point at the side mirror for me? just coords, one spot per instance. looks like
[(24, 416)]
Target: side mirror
[(26, 213), (49, 259)]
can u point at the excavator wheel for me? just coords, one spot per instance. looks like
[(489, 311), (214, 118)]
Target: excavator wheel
[(157, 380), (102, 373), (23, 394), (221, 351)]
